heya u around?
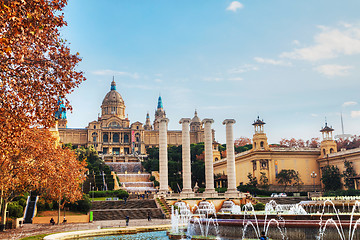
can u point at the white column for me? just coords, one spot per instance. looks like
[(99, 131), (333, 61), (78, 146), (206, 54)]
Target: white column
[(163, 156), (186, 161), (230, 158), (209, 169)]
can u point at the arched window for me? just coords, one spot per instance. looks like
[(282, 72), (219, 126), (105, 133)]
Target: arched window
[(94, 136), (324, 151), (262, 144), (331, 150), (116, 137), (105, 137), (137, 127), (94, 127), (137, 136), (126, 138), (254, 144)]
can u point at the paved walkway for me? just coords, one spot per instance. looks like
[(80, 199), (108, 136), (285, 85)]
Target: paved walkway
[(37, 229)]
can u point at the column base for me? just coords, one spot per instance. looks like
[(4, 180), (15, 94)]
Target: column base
[(232, 193), (187, 193), (208, 193)]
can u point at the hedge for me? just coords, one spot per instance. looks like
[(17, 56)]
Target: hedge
[(116, 193)]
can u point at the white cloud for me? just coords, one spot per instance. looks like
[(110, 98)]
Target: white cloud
[(236, 79), (329, 43), (350, 103), (213, 79), (314, 115), (234, 6), (244, 68), (355, 114), (332, 70), (108, 72), (296, 42), (271, 61), (158, 80)]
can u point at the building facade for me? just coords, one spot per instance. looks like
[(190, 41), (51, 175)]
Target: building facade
[(116, 138), (269, 161)]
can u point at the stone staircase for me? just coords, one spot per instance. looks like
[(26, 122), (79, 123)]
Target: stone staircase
[(118, 210)]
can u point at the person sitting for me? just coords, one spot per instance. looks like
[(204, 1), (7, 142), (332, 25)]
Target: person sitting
[(52, 221), (64, 221), (263, 237)]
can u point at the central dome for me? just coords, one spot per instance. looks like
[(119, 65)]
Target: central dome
[(113, 97), (113, 104)]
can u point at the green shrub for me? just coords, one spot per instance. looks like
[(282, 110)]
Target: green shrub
[(156, 183), (152, 178), (83, 205), (116, 193), (221, 190), (15, 210), (259, 207)]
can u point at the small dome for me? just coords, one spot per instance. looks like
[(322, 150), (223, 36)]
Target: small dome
[(195, 119)]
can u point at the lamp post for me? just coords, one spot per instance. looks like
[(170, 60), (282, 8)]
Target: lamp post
[(313, 176)]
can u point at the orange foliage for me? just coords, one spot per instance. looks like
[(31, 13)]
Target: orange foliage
[(313, 143), (242, 141)]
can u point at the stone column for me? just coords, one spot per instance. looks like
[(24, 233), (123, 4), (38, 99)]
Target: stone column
[(209, 168), (163, 156), (230, 159), (186, 161)]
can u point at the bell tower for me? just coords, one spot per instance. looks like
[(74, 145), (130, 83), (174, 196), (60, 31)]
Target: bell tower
[(328, 144), (260, 142)]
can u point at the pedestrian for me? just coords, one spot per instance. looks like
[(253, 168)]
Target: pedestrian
[(263, 237), (52, 221), (149, 216), (127, 219)]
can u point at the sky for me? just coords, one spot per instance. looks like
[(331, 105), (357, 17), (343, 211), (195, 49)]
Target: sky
[(293, 63)]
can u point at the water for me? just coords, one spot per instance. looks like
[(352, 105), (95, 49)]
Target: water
[(139, 236)]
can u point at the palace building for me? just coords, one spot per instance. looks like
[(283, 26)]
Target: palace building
[(116, 138), (269, 161)]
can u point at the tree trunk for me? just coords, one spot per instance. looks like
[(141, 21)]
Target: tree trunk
[(1, 198), (59, 210), (3, 212)]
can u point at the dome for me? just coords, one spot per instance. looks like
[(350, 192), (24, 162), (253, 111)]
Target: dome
[(113, 97), (196, 119)]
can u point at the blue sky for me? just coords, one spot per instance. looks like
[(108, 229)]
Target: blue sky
[(291, 62)]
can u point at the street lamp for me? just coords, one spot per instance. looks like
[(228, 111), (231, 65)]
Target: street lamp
[(313, 176)]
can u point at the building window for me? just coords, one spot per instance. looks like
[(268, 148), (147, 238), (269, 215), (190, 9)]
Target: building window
[(116, 151), (262, 144), (94, 136), (137, 127), (331, 150), (126, 138), (116, 137), (254, 165), (105, 150), (105, 138), (324, 152), (94, 127), (114, 125), (126, 150), (263, 164)]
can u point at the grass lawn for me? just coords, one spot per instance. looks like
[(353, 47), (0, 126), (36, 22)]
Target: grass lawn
[(102, 199), (37, 237)]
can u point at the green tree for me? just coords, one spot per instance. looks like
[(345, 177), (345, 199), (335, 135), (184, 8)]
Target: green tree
[(94, 163), (288, 177), (331, 178), (252, 180), (348, 173), (264, 180)]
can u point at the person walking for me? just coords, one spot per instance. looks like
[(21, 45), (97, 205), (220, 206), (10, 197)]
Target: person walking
[(127, 219), (149, 216)]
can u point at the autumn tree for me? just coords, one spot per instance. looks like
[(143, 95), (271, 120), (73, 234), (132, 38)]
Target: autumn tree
[(242, 141), (312, 143), (348, 143), (36, 70), (39, 164)]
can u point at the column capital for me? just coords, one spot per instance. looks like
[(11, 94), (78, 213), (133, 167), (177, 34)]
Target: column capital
[(226, 121), (207, 120), (163, 120), (185, 120)]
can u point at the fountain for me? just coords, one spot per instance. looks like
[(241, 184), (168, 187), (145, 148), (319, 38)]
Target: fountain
[(278, 221)]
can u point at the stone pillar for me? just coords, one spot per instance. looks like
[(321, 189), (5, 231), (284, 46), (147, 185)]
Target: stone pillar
[(186, 160), (209, 168), (230, 159), (163, 156)]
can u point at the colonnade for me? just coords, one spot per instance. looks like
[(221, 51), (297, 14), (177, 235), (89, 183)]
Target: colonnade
[(186, 160)]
